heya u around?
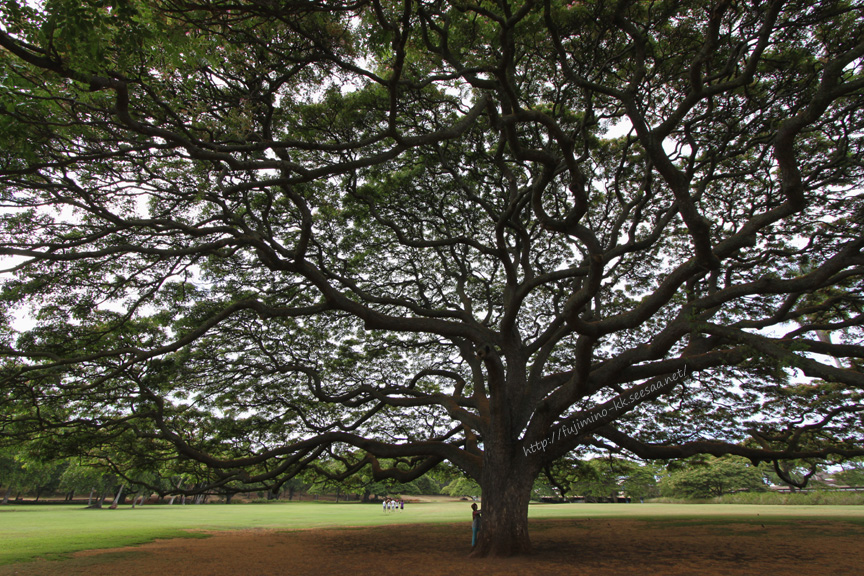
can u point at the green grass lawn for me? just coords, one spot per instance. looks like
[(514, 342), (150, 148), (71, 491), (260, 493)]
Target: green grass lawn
[(28, 532)]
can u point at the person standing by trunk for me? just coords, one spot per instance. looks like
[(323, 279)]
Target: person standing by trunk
[(475, 524)]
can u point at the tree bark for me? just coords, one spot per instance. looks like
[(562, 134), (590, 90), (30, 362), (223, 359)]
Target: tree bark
[(117, 498), (506, 482)]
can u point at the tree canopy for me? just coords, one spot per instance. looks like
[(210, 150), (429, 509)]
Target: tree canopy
[(260, 232), (712, 478)]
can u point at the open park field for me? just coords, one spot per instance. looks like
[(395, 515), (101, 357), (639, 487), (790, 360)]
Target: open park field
[(430, 539)]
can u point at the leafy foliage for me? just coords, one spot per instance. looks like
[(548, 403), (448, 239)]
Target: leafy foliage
[(391, 234), (713, 477), (604, 478), (462, 487)]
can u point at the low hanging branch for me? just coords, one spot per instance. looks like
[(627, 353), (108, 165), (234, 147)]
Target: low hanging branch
[(244, 241)]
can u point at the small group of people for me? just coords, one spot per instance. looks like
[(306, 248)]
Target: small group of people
[(393, 504)]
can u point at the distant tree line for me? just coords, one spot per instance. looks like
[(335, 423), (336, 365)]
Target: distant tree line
[(107, 480), (29, 471)]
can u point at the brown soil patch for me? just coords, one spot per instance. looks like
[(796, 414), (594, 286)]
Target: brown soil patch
[(589, 547)]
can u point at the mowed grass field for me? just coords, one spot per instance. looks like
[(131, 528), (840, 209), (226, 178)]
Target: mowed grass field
[(53, 531)]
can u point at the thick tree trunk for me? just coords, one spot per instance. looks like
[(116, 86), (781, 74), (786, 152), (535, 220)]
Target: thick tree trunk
[(506, 485)]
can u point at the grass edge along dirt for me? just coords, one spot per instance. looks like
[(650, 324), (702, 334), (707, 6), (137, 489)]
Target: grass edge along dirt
[(54, 532)]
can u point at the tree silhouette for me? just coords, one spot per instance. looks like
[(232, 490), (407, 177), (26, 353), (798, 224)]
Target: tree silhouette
[(257, 233)]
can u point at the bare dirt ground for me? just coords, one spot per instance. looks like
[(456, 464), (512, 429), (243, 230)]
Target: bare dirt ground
[(595, 547)]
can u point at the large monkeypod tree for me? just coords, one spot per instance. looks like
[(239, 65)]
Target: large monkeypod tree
[(264, 235)]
